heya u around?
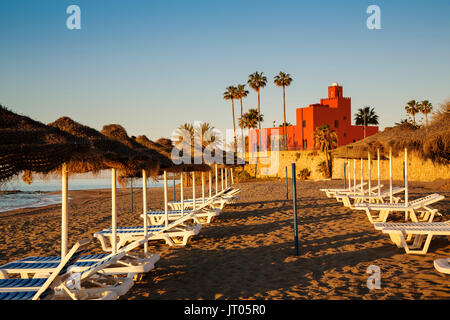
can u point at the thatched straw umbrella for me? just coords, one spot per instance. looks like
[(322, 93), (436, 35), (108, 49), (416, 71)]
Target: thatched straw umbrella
[(163, 150), (31, 146), (143, 161), (225, 164), (432, 142), (104, 153)]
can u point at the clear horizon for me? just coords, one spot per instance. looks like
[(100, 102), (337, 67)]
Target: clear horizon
[(152, 66)]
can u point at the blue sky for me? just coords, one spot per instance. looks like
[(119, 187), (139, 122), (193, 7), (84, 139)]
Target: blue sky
[(153, 65)]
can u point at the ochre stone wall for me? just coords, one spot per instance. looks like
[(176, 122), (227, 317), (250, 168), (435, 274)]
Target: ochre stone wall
[(273, 164)]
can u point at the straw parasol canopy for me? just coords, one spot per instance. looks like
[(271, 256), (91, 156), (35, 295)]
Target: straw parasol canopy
[(432, 142), (161, 152), (142, 158), (164, 147), (29, 145), (104, 152)]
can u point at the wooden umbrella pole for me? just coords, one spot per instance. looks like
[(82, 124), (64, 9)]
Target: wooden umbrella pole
[(64, 206), (354, 175), (379, 172), (231, 176), (349, 175), (173, 186), (362, 176), (210, 183), (203, 187), (370, 173), (221, 174), (390, 175), (226, 178), (193, 190), (144, 208), (182, 194), (217, 181), (406, 177), (114, 210), (166, 204)]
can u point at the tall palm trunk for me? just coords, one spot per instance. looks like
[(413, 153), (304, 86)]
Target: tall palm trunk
[(234, 127), (365, 125), (284, 123), (259, 122), (426, 119), (242, 129)]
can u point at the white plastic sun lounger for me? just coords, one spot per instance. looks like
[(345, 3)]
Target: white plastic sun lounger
[(373, 198), (415, 206), (218, 201), (132, 263), (157, 217), (341, 194), (175, 233), (202, 214), (420, 232), (63, 283), (332, 192), (119, 266), (442, 265)]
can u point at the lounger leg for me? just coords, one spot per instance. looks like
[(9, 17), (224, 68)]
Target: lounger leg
[(413, 216), (396, 239), (425, 247)]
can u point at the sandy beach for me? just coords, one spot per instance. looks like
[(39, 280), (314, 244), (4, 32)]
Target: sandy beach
[(247, 252)]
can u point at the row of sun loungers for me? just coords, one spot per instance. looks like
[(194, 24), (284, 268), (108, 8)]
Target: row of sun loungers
[(415, 236), (107, 276)]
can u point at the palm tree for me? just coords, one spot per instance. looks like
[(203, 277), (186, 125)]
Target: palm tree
[(366, 116), (402, 121), (283, 80), (257, 81), (250, 119), (241, 93), (230, 94), (426, 107), (412, 107), (326, 140), (188, 129)]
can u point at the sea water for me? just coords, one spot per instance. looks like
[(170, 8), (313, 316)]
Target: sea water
[(16, 194)]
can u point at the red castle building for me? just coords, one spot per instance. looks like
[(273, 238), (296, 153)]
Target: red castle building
[(335, 111)]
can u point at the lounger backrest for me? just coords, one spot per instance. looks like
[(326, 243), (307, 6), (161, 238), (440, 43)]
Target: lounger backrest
[(426, 200), (69, 260)]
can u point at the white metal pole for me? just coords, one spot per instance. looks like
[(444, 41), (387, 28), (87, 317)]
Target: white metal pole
[(194, 199), (64, 200), (144, 208), (390, 174), (406, 177), (210, 183), (114, 211), (203, 187), (379, 172), (166, 204)]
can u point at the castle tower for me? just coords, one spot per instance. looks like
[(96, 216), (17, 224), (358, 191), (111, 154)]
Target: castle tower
[(335, 91)]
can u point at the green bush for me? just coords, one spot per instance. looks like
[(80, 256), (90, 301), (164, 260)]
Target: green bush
[(304, 174)]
